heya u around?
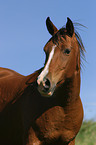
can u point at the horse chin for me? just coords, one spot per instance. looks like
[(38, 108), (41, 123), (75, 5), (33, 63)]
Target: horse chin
[(47, 94)]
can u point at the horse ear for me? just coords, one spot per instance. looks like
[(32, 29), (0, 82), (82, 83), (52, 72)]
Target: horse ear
[(69, 27), (51, 27)]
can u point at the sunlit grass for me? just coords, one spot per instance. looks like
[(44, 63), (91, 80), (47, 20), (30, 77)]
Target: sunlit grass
[(87, 134)]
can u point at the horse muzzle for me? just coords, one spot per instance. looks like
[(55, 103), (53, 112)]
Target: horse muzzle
[(45, 87)]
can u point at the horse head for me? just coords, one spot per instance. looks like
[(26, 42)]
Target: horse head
[(62, 58)]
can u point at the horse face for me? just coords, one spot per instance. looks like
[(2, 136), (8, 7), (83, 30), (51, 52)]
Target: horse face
[(60, 59)]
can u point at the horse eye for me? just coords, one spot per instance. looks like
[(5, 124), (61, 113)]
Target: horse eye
[(67, 51)]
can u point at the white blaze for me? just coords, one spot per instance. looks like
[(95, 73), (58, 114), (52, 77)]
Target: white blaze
[(46, 69)]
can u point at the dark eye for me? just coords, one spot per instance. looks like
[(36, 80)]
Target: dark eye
[(67, 51)]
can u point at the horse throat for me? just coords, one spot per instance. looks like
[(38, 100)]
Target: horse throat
[(70, 89)]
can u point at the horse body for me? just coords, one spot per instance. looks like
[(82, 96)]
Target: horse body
[(44, 108), (33, 119)]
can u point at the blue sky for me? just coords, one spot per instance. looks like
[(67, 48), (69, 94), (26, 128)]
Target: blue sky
[(23, 35)]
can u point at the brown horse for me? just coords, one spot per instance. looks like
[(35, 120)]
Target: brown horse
[(44, 108)]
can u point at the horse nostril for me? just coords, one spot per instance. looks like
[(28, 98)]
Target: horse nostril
[(46, 84)]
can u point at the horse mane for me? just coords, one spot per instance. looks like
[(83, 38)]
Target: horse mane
[(80, 44)]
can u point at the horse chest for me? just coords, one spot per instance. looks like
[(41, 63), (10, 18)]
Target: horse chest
[(51, 126)]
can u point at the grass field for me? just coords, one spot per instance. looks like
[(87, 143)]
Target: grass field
[(87, 134)]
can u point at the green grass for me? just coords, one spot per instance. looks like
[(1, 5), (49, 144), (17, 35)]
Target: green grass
[(87, 134)]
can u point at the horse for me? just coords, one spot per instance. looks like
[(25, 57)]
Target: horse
[(44, 108)]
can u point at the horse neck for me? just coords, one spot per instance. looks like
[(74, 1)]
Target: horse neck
[(70, 89)]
